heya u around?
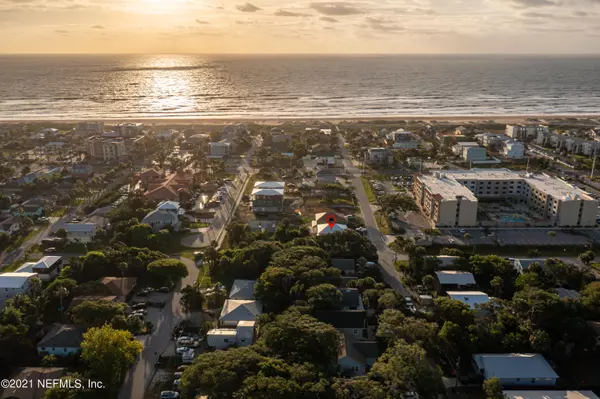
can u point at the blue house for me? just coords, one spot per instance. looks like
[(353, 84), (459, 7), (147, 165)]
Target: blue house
[(31, 208)]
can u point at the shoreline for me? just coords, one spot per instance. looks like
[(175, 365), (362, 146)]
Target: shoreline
[(350, 119)]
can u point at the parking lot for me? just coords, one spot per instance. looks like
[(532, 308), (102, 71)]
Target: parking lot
[(531, 237)]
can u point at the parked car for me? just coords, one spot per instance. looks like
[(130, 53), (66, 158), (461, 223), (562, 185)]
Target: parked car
[(182, 368), (183, 350), (50, 250), (176, 384), (140, 311), (177, 375), (163, 289), (139, 305), (169, 395)]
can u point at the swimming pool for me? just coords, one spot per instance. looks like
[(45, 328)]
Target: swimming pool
[(512, 219)]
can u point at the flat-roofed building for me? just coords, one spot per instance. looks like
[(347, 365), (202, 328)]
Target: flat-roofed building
[(440, 194), (515, 369), (453, 280), (445, 202), (472, 298)]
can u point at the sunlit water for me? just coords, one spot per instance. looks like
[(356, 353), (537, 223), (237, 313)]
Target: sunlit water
[(198, 86)]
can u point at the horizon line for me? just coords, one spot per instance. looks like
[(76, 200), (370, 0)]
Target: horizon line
[(309, 54)]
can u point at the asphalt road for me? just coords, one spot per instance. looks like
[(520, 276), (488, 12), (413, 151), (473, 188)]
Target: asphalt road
[(139, 377), (386, 255)]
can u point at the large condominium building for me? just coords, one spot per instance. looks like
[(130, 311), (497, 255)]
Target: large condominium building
[(450, 198), (107, 149), (522, 132)]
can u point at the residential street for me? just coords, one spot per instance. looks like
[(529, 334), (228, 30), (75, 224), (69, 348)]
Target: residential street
[(140, 375), (386, 255)]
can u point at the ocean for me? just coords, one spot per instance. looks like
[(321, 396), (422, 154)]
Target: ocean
[(54, 87)]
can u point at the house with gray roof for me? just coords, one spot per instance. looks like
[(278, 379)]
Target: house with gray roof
[(242, 289), (355, 357), (346, 266), (159, 220), (235, 310), (351, 299), (61, 340), (515, 369)]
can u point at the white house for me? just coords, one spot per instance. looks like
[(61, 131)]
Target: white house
[(268, 197), (515, 369), (220, 149), (356, 356), (12, 284), (472, 298), (221, 338), (160, 220), (235, 310), (46, 268), (170, 206), (81, 232), (61, 340), (242, 335), (242, 289), (474, 153), (514, 150)]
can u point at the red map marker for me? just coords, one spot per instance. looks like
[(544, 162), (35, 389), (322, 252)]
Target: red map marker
[(331, 220)]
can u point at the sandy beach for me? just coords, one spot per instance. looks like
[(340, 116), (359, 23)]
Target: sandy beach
[(454, 119)]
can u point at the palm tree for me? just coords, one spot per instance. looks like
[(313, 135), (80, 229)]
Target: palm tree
[(122, 266), (467, 237), (62, 292)]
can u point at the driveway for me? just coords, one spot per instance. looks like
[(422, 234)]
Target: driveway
[(386, 255), (140, 375)]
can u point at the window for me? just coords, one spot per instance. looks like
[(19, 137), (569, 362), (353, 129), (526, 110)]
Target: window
[(356, 332), (355, 369)]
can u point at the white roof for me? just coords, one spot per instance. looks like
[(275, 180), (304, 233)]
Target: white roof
[(163, 216), (550, 395), (267, 192), (465, 144), (471, 298), (45, 263), (227, 332), (514, 365), (168, 205), (455, 277), (247, 323), (81, 227), (238, 310), (15, 280), (325, 229), (242, 289), (445, 187), (269, 184)]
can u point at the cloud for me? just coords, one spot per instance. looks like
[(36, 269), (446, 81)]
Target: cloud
[(383, 25), (328, 19), (535, 14), (98, 27), (285, 13), (200, 22), (581, 13), (336, 8), (62, 32), (247, 7), (533, 3)]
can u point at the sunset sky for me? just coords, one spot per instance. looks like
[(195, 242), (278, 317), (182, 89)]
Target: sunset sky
[(270, 26)]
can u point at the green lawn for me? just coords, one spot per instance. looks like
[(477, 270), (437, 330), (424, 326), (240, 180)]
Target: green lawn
[(370, 194), (198, 225), (204, 278), (60, 212)]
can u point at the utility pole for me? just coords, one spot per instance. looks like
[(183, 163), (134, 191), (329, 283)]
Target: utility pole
[(593, 166), (527, 168)]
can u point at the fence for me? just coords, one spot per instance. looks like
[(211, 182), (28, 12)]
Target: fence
[(217, 226)]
